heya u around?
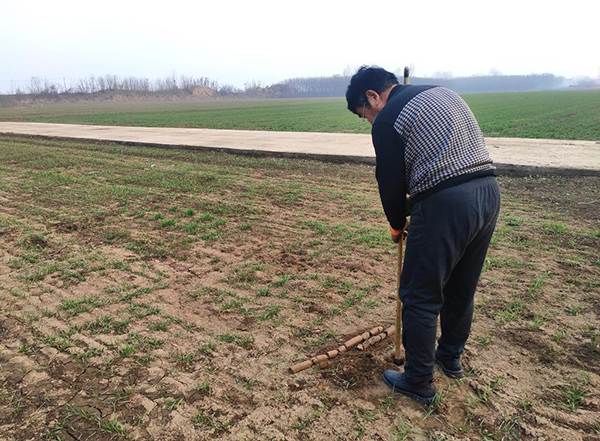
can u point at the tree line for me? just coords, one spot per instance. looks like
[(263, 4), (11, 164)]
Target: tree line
[(173, 83), (335, 86), (301, 87)]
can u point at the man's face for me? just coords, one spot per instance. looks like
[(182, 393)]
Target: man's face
[(367, 113)]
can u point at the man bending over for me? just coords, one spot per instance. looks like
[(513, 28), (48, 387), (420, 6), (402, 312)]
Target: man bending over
[(429, 146)]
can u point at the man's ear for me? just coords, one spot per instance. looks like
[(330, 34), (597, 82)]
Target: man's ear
[(373, 98)]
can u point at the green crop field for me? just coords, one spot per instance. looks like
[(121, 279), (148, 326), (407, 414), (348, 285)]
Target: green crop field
[(553, 115)]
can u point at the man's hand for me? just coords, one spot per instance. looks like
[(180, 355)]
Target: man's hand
[(397, 234)]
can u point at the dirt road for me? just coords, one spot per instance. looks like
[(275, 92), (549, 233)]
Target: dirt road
[(511, 155)]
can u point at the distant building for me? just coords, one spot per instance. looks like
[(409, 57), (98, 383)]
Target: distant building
[(203, 92)]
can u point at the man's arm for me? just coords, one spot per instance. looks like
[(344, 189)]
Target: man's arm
[(390, 173)]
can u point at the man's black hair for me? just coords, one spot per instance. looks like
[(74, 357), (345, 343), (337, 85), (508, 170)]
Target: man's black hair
[(367, 78)]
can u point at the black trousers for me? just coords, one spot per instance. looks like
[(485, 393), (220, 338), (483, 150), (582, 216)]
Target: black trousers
[(447, 242)]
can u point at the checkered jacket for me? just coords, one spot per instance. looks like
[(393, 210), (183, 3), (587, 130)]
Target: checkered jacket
[(426, 139)]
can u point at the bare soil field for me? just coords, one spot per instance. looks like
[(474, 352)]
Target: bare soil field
[(154, 294)]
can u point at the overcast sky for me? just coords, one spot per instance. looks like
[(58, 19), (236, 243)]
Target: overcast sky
[(234, 42)]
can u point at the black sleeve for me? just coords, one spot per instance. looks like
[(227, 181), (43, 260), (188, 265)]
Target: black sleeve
[(389, 150)]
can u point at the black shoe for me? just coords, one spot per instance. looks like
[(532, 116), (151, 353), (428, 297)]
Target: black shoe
[(451, 367), (423, 393)]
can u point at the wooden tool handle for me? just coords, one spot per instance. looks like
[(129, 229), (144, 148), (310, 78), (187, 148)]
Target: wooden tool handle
[(398, 339)]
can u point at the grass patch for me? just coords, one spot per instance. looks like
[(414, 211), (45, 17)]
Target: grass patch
[(574, 393)]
